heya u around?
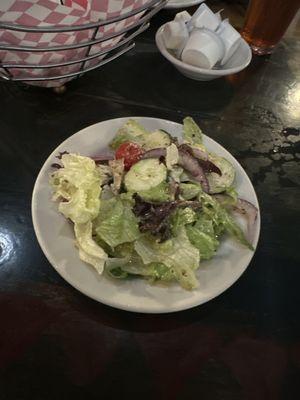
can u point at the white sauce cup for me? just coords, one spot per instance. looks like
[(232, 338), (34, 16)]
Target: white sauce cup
[(203, 49)]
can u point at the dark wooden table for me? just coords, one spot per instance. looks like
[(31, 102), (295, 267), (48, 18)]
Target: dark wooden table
[(56, 343)]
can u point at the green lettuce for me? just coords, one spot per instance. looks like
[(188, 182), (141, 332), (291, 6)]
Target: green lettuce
[(178, 254), (160, 271), (220, 183), (158, 193), (116, 222), (191, 131), (232, 194), (89, 251), (77, 186), (132, 131), (189, 190), (124, 250), (228, 199), (158, 138), (222, 221), (202, 236), (181, 217), (127, 263), (176, 173), (124, 268), (153, 271), (233, 229), (132, 127), (117, 272)]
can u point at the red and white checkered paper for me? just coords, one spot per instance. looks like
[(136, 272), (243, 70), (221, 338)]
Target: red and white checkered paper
[(44, 13), (106, 9)]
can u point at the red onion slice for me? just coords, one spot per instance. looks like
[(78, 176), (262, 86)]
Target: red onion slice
[(202, 158), (103, 157), (250, 212), (200, 154), (191, 165), (243, 208), (154, 153)]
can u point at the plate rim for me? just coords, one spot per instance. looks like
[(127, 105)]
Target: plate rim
[(182, 4), (138, 308)]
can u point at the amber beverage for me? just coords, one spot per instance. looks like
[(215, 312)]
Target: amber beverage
[(266, 22)]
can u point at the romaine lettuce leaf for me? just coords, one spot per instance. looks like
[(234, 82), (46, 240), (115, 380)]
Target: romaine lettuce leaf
[(191, 132), (124, 268), (178, 254), (158, 193), (176, 173), (77, 186), (220, 183), (117, 272), (124, 250), (156, 139), (132, 131), (116, 222), (181, 217), (123, 138), (232, 193), (160, 271), (202, 236), (228, 199), (152, 271), (189, 190), (89, 251), (132, 127), (234, 230), (222, 220), (126, 262)]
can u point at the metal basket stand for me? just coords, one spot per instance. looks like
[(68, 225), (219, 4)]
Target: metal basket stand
[(125, 44)]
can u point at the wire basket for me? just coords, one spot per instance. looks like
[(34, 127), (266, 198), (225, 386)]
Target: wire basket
[(83, 64)]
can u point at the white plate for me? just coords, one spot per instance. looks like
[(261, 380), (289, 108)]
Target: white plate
[(56, 238), (182, 4)]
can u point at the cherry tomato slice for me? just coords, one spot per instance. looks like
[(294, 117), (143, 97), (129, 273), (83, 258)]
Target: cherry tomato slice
[(131, 152)]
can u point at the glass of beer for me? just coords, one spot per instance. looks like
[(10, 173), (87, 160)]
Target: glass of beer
[(266, 22)]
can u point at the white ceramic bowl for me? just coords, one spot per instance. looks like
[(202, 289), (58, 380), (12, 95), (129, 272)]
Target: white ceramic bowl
[(174, 4), (239, 61)]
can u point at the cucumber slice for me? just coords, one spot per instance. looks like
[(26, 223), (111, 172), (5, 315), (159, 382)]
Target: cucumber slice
[(144, 175), (219, 183)]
